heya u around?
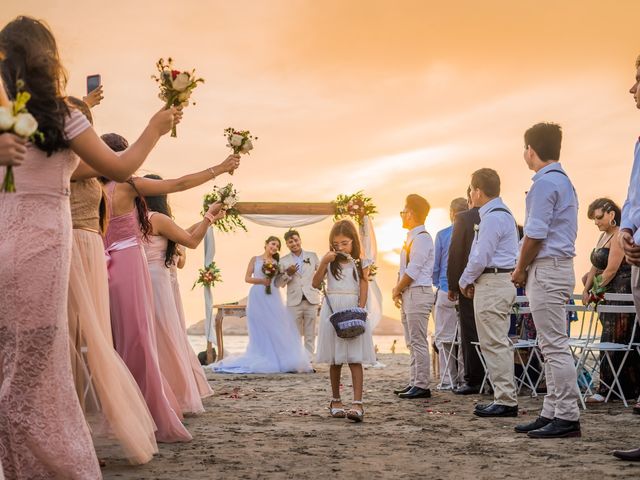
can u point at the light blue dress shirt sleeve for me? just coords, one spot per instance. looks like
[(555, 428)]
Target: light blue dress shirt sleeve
[(437, 267), (482, 251), (631, 207), (541, 200)]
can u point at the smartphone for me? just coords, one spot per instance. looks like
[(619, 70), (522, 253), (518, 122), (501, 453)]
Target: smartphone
[(93, 82)]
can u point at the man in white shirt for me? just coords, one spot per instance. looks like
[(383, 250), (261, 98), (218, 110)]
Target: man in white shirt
[(414, 294), (302, 299), (487, 279)]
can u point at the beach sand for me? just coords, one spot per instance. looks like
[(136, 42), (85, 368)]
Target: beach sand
[(277, 426)]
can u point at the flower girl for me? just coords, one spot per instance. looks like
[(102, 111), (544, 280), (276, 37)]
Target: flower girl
[(347, 285)]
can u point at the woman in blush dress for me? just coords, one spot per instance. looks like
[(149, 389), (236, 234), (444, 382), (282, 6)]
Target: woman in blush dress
[(178, 362), (42, 430), (103, 381), (274, 341), (130, 287)]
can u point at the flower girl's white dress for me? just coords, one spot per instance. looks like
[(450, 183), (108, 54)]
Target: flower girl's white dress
[(343, 293), (275, 345)]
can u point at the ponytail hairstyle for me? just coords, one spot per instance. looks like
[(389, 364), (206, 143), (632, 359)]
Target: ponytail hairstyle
[(347, 229), (276, 255), (118, 143), (30, 55), (159, 203)]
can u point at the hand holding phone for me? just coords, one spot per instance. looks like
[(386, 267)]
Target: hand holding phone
[(93, 82)]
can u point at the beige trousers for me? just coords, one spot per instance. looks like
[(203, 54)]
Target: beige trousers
[(492, 302), (417, 303), (549, 287), (305, 314)]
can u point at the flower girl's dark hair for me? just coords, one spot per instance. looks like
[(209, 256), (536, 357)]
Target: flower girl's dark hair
[(29, 53), (159, 203), (276, 255), (347, 229)]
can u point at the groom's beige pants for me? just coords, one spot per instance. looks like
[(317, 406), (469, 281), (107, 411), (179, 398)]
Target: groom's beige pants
[(417, 303), (305, 314), (492, 302)]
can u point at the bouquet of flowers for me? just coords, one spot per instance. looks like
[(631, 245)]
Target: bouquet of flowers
[(596, 294), (229, 197), (175, 86), (208, 276), (240, 141), (355, 206), (15, 118), (270, 269), (373, 271)]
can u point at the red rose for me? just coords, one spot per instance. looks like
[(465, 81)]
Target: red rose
[(174, 74)]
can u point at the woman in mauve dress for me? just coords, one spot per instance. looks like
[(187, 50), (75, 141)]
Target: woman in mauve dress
[(42, 430), (130, 289)]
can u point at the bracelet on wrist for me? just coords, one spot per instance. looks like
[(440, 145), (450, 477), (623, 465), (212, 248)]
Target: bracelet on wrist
[(209, 217), (212, 171)]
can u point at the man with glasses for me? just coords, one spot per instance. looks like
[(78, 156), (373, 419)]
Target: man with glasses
[(413, 294)]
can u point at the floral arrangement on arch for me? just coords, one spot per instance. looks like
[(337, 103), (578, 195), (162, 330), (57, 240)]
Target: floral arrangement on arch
[(355, 206), (208, 276), (175, 85), (228, 195)]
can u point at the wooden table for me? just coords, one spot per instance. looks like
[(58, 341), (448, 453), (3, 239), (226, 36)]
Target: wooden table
[(228, 309)]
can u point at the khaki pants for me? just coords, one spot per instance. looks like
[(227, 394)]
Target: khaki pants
[(305, 314), (446, 320), (635, 287), (549, 287), (492, 302), (417, 303)]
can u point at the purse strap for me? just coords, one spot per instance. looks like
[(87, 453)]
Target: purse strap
[(324, 290)]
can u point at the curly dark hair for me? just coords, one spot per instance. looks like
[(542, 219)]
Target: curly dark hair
[(159, 203), (29, 54)]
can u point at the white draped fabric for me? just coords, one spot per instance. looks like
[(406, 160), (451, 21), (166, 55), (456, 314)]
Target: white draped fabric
[(369, 247)]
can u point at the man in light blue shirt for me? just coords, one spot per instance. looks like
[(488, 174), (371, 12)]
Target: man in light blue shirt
[(546, 267), (414, 295), (487, 279), (630, 238), (445, 314)]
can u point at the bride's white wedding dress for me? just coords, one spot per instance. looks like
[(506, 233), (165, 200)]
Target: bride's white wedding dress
[(274, 342)]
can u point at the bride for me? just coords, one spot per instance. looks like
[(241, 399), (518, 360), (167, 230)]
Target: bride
[(274, 341)]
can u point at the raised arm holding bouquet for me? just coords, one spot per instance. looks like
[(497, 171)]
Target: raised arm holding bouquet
[(240, 141), (175, 86)]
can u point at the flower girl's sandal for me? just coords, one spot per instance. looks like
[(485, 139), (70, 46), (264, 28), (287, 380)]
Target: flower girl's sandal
[(336, 412), (356, 415)]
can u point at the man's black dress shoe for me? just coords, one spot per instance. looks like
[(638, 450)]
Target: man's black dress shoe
[(402, 390), (636, 408), (557, 428), (629, 455), (467, 390), (482, 406), (535, 425), (416, 392), (497, 410)]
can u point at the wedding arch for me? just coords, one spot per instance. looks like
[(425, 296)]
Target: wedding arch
[(284, 215)]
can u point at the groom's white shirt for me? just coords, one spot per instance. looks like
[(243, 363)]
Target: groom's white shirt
[(299, 283)]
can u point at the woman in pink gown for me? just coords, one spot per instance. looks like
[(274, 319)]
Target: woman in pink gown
[(113, 403), (42, 431), (178, 361), (131, 294)]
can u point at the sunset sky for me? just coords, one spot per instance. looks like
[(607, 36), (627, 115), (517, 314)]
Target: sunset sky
[(391, 97)]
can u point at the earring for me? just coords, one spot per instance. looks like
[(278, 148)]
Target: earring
[(613, 222)]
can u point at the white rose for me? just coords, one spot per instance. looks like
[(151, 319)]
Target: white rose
[(247, 146), (25, 125), (6, 119), (181, 82), (236, 140), (229, 202)]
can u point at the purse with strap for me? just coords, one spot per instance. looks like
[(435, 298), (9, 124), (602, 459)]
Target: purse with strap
[(350, 322)]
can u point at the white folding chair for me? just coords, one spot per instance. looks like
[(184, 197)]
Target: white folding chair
[(591, 352), (449, 357)]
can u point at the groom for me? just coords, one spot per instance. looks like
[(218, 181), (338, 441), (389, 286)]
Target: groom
[(302, 299)]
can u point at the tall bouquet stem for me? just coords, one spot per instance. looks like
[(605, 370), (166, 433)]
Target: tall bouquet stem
[(174, 131), (8, 184), (268, 289)]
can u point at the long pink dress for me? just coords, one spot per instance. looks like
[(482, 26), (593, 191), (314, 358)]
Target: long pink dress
[(43, 433), (174, 350), (201, 379), (132, 321), (113, 398)]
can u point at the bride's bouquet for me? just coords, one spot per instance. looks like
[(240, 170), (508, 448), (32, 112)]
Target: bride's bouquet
[(228, 196), (270, 269), (175, 85), (240, 141), (16, 119), (208, 276)]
